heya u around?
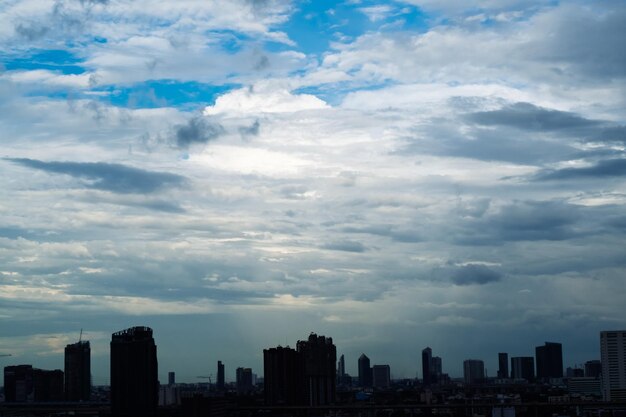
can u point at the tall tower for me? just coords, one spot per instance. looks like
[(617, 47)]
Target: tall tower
[(523, 367), (613, 359), (134, 373), (341, 367), (78, 371), (365, 371), (503, 365), (220, 376), (319, 356), (549, 360), (473, 371), (427, 358), (284, 377)]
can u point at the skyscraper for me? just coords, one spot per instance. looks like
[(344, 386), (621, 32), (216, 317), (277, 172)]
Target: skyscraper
[(427, 355), (78, 371), (473, 371), (134, 373), (436, 369), (284, 376), (381, 375), (523, 367), (341, 367), (549, 360), (365, 371), (503, 365), (613, 358), (319, 355), (220, 376), (243, 380), (171, 378)]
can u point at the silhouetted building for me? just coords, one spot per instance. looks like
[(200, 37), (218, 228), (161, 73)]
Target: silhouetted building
[(574, 372), (243, 380), (283, 376), (503, 365), (23, 383), (549, 360), (593, 369), (134, 373), (171, 378), (341, 368), (613, 357), (319, 355), (78, 371), (427, 355), (584, 385), (381, 376), (523, 367), (220, 376), (473, 371), (365, 371), (436, 369)]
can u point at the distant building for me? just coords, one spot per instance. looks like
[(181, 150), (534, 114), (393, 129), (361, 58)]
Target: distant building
[(320, 376), (549, 360), (427, 356), (134, 373), (473, 371), (574, 372), (365, 371), (503, 365), (436, 370), (381, 376), (171, 378), (523, 367), (613, 358), (220, 376), (584, 385), (23, 383), (593, 369), (283, 376), (243, 380), (341, 368), (78, 371)]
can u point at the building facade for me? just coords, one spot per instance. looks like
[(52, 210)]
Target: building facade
[(134, 373), (549, 360), (283, 376), (319, 356), (523, 367), (78, 371), (613, 359), (473, 371), (503, 365), (365, 371), (220, 376), (381, 376), (427, 358)]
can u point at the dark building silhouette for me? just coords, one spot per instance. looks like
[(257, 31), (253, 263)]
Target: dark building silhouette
[(503, 365), (23, 383), (549, 360), (341, 368), (473, 371), (365, 371), (523, 367), (134, 373), (283, 376), (319, 356), (593, 369), (381, 375), (220, 376), (243, 380), (427, 358), (436, 369), (171, 378), (78, 371)]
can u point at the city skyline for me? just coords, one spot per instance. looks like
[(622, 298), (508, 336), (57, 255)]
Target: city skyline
[(394, 173)]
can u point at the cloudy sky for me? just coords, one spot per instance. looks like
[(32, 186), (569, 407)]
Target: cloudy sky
[(236, 174)]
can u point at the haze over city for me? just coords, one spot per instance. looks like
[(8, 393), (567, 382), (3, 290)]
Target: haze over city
[(236, 174)]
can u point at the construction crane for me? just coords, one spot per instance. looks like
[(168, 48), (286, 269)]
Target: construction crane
[(206, 377)]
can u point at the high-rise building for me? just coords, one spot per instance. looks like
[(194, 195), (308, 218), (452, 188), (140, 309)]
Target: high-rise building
[(503, 365), (549, 360), (593, 369), (319, 355), (473, 371), (341, 368), (381, 376), (427, 355), (613, 358), (23, 383), (365, 371), (220, 376), (171, 378), (78, 371), (48, 385), (134, 373), (243, 380), (436, 369), (523, 367), (283, 376)]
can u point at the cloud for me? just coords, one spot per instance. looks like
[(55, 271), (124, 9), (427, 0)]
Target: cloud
[(116, 178), (601, 169), (527, 116), (475, 274), (345, 246), (197, 130)]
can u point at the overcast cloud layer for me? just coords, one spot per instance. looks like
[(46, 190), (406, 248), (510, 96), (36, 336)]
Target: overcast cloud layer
[(237, 174)]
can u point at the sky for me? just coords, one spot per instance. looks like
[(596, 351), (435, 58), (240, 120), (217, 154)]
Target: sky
[(237, 174)]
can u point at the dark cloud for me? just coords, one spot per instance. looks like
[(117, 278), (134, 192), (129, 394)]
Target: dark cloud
[(252, 130), (475, 274), (609, 134), (602, 169), (197, 130), (527, 116), (116, 178), (345, 246), (406, 235), (32, 31)]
